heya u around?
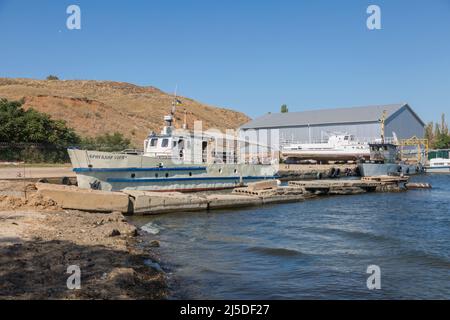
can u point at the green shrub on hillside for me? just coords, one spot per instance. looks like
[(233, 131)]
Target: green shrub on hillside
[(19, 125), (107, 142), (52, 77), (32, 136), (29, 135), (438, 134)]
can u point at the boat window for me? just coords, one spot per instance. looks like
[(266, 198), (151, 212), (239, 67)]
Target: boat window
[(153, 142), (346, 138), (164, 143), (174, 143)]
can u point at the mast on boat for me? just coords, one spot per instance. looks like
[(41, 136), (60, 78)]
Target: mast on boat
[(382, 121), (169, 119)]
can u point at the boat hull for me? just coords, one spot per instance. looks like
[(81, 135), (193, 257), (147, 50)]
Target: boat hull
[(114, 171), (438, 169), (325, 156), (383, 169)]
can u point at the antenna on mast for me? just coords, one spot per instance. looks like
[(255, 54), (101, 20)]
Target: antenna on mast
[(185, 126), (382, 121), (174, 102), (169, 119)]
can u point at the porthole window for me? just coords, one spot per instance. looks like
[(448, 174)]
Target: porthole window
[(220, 170), (156, 175), (167, 175), (133, 175), (235, 170), (190, 174)]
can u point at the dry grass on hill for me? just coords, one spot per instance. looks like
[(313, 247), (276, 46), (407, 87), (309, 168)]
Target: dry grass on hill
[(98, 107)]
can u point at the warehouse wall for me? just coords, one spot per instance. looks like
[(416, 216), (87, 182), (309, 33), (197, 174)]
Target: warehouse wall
[(405, 125), (317, 133), (363, 131)]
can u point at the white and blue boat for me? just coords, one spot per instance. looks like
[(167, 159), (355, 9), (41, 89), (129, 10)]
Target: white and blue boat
[(438, 165), (174, 160)]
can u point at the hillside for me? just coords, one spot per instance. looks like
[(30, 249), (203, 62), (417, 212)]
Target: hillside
[(97, 107)]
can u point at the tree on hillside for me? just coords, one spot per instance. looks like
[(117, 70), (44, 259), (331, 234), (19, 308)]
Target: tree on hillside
[(429, 132), (442, 142), (284, 108), (32, 136), (52, 77), (444, 126), (31, 126), (438, 134)]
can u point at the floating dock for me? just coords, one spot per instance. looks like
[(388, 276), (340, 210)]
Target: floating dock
[(258, 193)]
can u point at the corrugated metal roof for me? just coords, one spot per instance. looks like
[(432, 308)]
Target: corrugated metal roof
[(326, 116)]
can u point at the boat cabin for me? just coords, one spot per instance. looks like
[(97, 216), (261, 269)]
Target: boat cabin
[(184, 146), (439, 162), (383, 152), (189, 148), (341, 139)]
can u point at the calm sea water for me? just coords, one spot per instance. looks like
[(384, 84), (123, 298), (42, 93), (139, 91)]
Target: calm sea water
[(317, 249)]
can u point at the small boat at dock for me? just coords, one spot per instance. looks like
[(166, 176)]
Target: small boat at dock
[(438, 165), (384, 162), (385, 159)]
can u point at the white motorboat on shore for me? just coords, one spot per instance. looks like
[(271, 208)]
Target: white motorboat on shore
[(339, 147)]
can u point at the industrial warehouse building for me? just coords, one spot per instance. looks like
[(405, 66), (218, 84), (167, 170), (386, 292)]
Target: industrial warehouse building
[(317, 125)]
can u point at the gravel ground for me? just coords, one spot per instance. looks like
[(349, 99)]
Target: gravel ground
[(39, 241)]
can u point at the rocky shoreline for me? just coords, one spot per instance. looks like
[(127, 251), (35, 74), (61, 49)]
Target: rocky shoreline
[(39, 242)]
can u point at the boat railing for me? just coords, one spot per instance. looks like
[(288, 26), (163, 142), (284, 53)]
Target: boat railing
[(286, 142), (132, 151), (360, 140)]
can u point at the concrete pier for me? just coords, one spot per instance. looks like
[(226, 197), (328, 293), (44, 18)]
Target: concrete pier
[(70, 197), (259, 193), (33, 174), (289, 172), (146, 202), (370, 184)]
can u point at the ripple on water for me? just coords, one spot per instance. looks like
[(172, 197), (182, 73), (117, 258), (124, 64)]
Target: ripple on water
[(276, 252), (151, 228)]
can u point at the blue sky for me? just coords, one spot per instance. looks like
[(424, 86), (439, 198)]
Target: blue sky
[(247, 55)]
